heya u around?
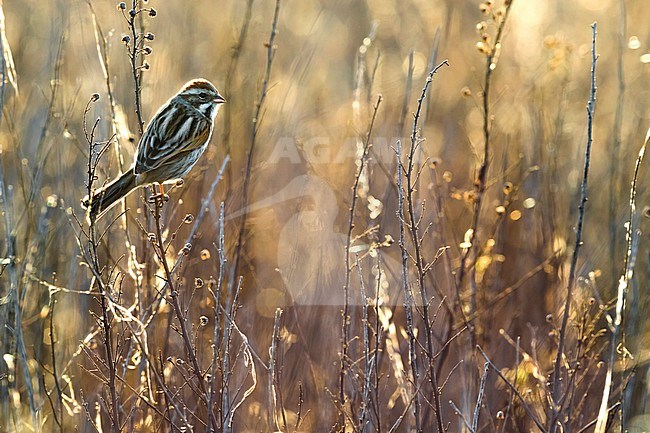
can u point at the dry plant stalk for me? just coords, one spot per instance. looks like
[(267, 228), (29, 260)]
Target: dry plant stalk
[(257, 119), (345, 322), (162, 349), (559, 359), (632, 236)]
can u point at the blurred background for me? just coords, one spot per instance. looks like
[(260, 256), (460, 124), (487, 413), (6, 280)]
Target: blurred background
[(331, 59)]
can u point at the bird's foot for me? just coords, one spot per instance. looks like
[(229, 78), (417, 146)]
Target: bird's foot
[(158, 198)]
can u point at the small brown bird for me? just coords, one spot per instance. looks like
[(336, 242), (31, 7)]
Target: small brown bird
[(174, 140)]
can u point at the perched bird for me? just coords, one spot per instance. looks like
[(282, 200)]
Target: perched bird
[(174, 140)]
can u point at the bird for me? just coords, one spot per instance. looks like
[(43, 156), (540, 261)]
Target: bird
[(170, 146)]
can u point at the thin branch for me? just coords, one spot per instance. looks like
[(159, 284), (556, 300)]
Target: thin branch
[(345, 325), (274, 382), (136, 63), (525, 405), (631, 237), (270, 55), (106, 319), (479, 398), (411, 185), (557, 382), (189, 348), (491, 60), (205, 203), (408, 295)]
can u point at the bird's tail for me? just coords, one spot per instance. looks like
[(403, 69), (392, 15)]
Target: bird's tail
[(108, 195)]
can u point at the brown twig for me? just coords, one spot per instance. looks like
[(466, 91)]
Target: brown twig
[(525, 405), (275, 395), (408, 295), (257, 119), (92, 259), (134, 48), (481, 180), (411, 175), (158, 245), (345, 324), (559, 359), (631, 237)]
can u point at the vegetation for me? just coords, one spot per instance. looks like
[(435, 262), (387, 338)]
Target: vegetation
[(407, 220)]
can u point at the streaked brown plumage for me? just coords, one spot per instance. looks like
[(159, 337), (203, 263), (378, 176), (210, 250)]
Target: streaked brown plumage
[(172, 143)]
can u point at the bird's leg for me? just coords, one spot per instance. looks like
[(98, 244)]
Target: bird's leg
[(164, 196), (158, 195)]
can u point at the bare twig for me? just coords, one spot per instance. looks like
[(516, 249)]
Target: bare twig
[(345, 324), (460, 414), (406, 288), (205, 203), (158, 244), (525, 405), (106, 320), (274, 382), (235, 56), (55, 374), (270, 55), (216, 296), (134, 48), (631, 237), (12, 297), (367, 361), (411, 175), (492, 57), (591, 423), (479, 398), (559, 359)]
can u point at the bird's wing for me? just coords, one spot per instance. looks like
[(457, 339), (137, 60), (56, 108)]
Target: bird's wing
[(167, 135)]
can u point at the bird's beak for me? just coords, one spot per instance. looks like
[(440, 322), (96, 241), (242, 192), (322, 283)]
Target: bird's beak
[(219, 99)]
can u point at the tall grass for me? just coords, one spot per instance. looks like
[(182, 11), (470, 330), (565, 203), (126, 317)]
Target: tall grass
[(406, 221)]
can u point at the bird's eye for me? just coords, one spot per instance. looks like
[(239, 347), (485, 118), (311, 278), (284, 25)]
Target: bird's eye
[(203, 95)]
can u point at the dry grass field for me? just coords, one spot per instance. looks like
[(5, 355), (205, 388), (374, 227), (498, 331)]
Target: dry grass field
[(413, 216)]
